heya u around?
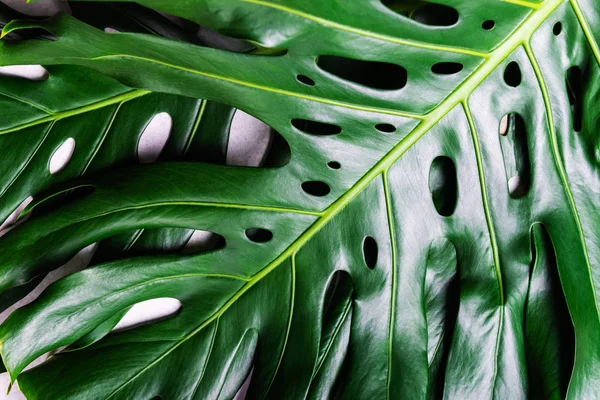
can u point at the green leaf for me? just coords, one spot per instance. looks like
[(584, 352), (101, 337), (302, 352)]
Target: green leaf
[(437, 216)]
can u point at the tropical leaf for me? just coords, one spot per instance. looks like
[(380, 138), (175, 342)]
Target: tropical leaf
[(437, 215), (74, 101)]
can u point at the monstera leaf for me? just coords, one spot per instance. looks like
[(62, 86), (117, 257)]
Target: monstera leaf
[(428, 229), (71, 102)]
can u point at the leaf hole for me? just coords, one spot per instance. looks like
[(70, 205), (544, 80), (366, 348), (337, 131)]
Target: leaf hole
[(334, 165), (386, 128), (203, 241), (61, 156), (443, 185), (372, 74), (305, 80), (447, 68), (488, 25), (316, 188), (557, 29), (515, 152), (30, 72), (512, 74), (424, 12), (574, 80), (154, 138), (315, 127), (259, 235), (370, 252), (148, 312), (252, 143)]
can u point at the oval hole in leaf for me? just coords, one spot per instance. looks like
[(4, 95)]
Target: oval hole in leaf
[(249, 140), (515, 153), (149, 311), (574, 80), (259, 235), (370, 252), (447, 68), (426, 13), (30, 72), (557, 29), (61, 157), (202, 241), (386, 128), (305, 80), (154, 138), (372, 74), (512, 74), (316, 188), (334, 165), (443, 185), (316, 127), (488, 25)]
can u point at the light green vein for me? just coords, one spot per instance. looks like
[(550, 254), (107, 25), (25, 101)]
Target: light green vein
[(586, 29), (102, 138), (196, 125), (79, 110), (561, 168), (23, 101), (362, 32), (523, 3), (388, 204), (492, 234)]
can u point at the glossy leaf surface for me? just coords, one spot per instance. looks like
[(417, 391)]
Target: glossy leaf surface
[(433, 232)]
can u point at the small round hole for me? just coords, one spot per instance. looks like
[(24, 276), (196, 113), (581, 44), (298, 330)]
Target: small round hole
[(370, 252), (334, 165), (488, 25), (316, 188), (512, 74), (306, 80), (259, 235), (387, 128), (557, 28)]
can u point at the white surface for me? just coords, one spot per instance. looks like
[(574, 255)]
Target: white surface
[(61, 156), (249, 140), (154, 138), (31, 72), (148, 311)]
